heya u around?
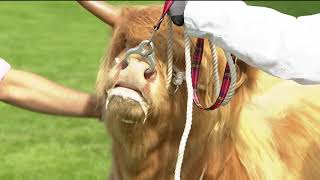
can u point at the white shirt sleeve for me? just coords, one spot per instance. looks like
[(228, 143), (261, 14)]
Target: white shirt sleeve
[(279, 44), (4, 68)]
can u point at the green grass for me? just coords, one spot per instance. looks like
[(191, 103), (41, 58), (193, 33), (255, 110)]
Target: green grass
[(294, 8), (63, 42)]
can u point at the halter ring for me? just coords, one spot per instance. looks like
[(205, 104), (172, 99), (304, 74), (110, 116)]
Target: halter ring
[(146, 50)]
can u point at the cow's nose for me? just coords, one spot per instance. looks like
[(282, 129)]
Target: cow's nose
[(137, 67)]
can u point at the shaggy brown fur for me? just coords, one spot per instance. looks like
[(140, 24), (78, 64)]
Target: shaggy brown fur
[(270, 130)]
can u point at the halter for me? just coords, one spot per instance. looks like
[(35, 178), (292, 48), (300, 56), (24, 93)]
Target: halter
[(146, 50), (224, 92)]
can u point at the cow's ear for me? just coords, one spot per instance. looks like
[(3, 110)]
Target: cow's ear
[(241, 73)]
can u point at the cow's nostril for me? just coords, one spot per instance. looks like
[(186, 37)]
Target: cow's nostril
[(150, 75), (124, 64)]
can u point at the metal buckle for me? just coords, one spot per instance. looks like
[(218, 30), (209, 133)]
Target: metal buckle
[(146, 50)]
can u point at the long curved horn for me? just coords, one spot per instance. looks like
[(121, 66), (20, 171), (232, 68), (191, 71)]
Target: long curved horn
[(102, 10)]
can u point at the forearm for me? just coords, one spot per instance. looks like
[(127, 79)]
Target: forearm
[(262, 37), (33, 92)]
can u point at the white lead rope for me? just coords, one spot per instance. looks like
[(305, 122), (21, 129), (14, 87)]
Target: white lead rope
[(187, 128), (214, 57), (188, 124), (188, 78), (169, 53), (233, 82)]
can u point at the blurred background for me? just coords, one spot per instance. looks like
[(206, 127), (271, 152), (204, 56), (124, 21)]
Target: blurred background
[(63, 42)]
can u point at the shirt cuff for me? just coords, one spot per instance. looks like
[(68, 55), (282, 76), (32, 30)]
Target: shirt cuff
[(4, 68)]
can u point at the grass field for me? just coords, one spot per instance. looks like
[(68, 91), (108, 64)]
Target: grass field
[(64, 43)]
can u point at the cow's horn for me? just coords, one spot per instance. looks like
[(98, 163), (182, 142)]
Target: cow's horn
[(102, 10)]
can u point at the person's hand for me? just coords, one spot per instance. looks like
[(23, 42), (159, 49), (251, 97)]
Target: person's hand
[(176, 12)]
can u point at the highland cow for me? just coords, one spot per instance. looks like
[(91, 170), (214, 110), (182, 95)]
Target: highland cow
[(269, 131)]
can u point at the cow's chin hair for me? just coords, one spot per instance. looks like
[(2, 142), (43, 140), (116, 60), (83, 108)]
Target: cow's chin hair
[(124, 110), (126, 105)]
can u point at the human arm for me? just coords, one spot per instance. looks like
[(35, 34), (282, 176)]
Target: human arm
[(279, 44), (33, 92)]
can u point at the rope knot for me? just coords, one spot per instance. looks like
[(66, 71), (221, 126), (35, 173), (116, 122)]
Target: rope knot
[(178, 77)]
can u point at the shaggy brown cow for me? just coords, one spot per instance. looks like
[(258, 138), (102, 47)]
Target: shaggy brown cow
[(269, 131)]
